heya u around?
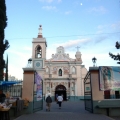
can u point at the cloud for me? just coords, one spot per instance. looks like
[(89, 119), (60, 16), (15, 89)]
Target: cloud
[(100, 9), (103, 59), (17, 72), (20, 54), (48, 1), (68, 12), (28, 48), (17, 61), (116, 25), (59, 1), (72, 43), (100, 26), (100, 39), (108, 28), (99, 32), (49, 52), (49, 7)]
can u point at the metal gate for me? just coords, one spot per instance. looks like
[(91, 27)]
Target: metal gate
[(37, 93), (88, 93)]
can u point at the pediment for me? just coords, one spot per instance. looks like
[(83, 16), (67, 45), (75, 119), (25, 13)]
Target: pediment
[(61, 57)]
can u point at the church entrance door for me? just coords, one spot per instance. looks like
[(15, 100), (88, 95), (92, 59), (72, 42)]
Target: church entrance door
[(60, 90)]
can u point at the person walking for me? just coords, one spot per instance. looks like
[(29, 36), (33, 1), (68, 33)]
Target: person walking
[(48, 102), (59, 99)]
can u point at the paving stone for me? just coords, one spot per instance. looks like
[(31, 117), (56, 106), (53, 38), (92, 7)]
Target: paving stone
[(69, 111)]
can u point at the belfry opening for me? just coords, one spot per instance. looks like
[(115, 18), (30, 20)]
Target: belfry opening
[(61, 90)]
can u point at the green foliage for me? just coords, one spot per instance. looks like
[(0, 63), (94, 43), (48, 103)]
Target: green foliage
[(3, 16), (4, 45), (116, 57)]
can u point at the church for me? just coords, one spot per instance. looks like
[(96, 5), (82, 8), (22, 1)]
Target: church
[(60, 74)]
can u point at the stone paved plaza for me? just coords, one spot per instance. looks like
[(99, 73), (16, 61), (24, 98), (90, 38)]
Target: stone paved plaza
[(69, 111)]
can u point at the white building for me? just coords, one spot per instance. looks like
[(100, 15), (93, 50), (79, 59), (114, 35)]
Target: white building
[(61, 74)]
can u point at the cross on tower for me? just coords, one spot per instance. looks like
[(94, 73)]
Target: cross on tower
[(77, 48)]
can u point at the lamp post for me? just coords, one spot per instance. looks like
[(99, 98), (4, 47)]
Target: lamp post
[(29, 62), (94, 61)]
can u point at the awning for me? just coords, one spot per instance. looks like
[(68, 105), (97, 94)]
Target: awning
[(3, 83)]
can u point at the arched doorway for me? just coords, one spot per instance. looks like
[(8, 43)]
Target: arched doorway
[(60, 90)]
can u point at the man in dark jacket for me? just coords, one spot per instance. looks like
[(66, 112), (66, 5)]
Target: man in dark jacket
[(48, 102)]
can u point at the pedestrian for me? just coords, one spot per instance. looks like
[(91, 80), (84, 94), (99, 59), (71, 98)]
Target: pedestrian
[(59, 99), (2, 96), (48, 102)]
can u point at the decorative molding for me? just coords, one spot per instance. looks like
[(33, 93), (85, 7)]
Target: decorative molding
[(66, 70)]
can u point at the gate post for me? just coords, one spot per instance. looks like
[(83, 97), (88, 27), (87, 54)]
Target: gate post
[(96, 93), (28, 83)]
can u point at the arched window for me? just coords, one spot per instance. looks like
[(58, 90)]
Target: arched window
[(38, 52), (60, 72), (73, 70), (47, 70)]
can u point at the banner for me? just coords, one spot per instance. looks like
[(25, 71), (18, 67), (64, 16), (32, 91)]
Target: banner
[(38, 84), (109, 77)]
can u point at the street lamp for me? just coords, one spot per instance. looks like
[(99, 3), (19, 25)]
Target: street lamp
[(29, 62), (94, 61)]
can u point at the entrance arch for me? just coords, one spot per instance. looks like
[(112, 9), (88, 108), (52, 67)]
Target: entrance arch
[(60, 90)]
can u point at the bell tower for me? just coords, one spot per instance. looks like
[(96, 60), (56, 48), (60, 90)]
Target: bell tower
[(39, 45)]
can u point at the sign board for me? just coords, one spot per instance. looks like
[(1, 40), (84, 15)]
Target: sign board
[(109, 77), (38, 84)]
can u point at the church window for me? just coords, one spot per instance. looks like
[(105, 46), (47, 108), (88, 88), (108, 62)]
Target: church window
[(72, 84), (47, 70), (69, 84), (73, 70), (87, 88), (38, 52), (60, 72)]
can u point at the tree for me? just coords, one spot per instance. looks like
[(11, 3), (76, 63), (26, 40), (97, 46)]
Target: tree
[(6, 68), (4, 44), (116, 57)]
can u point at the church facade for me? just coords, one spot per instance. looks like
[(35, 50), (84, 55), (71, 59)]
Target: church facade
[(61, 74)]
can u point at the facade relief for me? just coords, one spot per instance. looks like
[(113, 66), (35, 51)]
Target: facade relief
[(54, 70), (47, 70), (66, 70)]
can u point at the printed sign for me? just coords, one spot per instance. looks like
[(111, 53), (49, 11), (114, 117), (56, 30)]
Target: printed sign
[(38, 82), (109, 77)]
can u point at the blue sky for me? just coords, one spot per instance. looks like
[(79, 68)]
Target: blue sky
[(93, 25)]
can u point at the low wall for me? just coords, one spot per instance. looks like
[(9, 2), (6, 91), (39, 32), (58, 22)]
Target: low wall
[(110, 102)]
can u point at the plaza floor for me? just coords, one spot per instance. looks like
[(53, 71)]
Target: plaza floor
[(69, 111)]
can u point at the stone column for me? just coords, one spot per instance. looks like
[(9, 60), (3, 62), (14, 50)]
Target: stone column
[(45, 87), (75, 88), (81, 86), (70, 88)]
